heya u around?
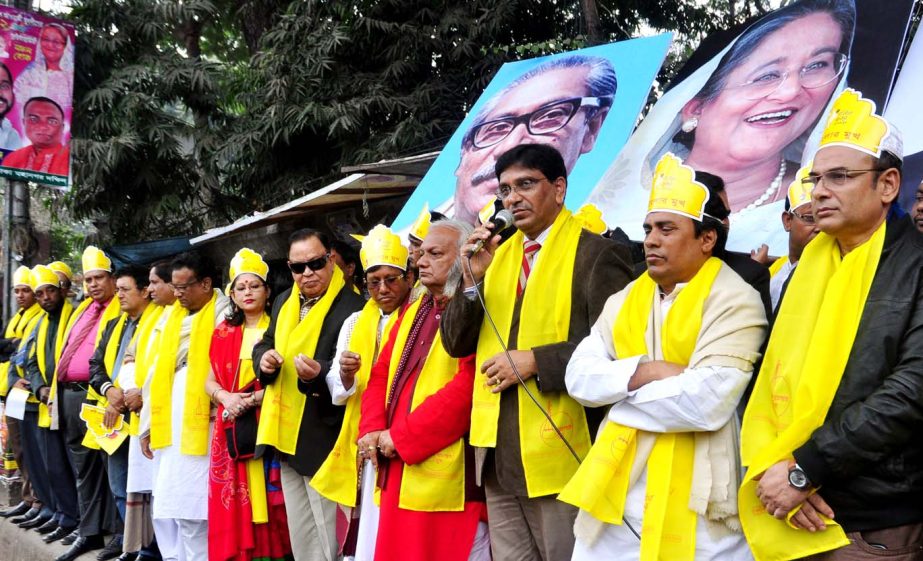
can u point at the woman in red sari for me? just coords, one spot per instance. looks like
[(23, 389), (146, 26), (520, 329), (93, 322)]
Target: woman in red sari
[(246, 513)]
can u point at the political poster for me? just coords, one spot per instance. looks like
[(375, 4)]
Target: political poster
[(36, 97), (752, 113), (585, 103)]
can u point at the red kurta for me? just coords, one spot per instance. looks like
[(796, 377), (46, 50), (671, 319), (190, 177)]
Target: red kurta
[(54, 160), (443, 418), (231, 531)]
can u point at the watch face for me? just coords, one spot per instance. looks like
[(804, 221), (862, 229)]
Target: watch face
[(797, 479)]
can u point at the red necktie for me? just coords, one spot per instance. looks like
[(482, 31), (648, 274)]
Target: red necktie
[(529, 249)]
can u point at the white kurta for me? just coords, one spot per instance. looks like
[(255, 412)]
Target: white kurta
[(703, 398), (368, 519), (181, 481)]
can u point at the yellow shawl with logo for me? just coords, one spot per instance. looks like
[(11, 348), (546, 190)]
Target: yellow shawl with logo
[(600, 486), (437, 484), (544, 319), (807, 354), (338, 477), (283, 402), (197, 406)]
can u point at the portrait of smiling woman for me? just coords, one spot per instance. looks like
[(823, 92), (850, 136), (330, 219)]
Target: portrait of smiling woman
[(747, 116)]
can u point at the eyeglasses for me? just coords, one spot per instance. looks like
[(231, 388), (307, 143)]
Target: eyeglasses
[(806, 218), (836, 177), (523, 186), (5, 86), (317, 264), (546, 119), (184, 287), (375, 284), (815, 74)]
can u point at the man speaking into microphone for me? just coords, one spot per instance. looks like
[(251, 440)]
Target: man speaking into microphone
[(544, 289)]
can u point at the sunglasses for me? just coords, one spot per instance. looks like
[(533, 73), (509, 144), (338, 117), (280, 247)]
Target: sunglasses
[(314, 264)]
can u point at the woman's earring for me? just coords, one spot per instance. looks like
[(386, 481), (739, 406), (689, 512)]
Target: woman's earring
[(689, 125)]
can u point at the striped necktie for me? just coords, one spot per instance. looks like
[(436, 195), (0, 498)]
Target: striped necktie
[(529, 249)]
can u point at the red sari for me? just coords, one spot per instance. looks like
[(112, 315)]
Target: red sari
[(232, 534)]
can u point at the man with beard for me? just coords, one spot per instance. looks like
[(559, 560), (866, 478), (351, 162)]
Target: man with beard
[(9, 137)]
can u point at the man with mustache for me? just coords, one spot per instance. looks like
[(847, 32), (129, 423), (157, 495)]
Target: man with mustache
[(544, 288), (9, 137), (561, 103), (44, 123)]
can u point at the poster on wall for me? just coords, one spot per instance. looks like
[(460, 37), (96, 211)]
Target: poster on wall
[(36, 93), (753, 113), (585, 103)]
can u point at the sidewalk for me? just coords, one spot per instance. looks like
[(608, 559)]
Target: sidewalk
[(17, 544)]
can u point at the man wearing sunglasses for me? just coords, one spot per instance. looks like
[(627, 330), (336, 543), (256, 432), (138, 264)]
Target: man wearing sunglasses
[(298, 416), (830, 436), (562, 103)]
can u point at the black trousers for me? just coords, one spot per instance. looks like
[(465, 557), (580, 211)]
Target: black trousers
[(97, 508), (52, 472)]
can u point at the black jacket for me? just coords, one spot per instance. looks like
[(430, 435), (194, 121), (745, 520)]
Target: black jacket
[(320, 423), (98, 373), (867, 457)]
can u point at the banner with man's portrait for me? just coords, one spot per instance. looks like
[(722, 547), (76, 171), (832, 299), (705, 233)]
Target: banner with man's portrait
[(585, 103), (36, 97), (753, 112)]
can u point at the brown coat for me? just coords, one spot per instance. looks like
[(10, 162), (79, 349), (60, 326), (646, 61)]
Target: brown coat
[(602, 267)]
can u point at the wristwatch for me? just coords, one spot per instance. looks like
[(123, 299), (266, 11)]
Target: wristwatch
[(797, 478)]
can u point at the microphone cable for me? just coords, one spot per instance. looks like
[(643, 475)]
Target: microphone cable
[(522, 382)]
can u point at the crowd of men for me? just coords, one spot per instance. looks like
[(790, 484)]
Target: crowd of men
[(540, 395)]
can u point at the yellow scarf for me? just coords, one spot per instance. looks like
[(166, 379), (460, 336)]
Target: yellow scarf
[(777, 265), (807, 354), (197, 406), (338, 477), (44, 413), (544, 319), (600, 486), (19, 328), (437, 484), (256, 477), (142, 357), (283, 402)]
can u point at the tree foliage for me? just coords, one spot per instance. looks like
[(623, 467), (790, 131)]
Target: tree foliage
[(190, 113)]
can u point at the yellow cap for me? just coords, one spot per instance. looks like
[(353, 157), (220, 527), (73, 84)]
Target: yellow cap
[(674, 189), (61, 267), (44, 276), (591, 218), (382, 247), (420, 227), (246, 261), (854, 124), (23, 277), (799, 193), (95, 260)]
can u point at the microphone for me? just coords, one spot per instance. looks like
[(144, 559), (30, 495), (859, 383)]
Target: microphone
[(502, 221)]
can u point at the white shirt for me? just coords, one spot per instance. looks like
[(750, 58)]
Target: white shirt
[(9, 137), (778, 281), (338, 392)]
